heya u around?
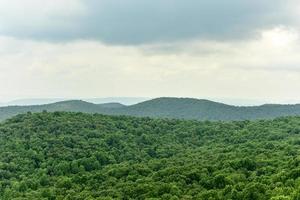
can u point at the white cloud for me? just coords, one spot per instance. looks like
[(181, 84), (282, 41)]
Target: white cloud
[(267, 67), (280, 37)]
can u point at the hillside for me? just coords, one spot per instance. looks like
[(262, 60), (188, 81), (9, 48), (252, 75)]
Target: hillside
[(82, 156), (41, 101), (70, 106), (187, 108), (177, 108)]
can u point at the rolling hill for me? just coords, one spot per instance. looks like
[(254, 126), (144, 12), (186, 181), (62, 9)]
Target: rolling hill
[(42, 101), (178, 108), (67, 155), (187, 108)]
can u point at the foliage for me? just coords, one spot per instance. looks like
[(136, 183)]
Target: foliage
[(64, 155)]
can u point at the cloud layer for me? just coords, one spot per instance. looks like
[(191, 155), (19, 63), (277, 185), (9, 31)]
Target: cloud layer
[(139, 22), (266, 67), (197, 48)]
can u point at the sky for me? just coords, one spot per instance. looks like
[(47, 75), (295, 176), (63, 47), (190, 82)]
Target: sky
[(138, 48)]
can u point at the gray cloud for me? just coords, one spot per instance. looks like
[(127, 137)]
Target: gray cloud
[(138, 22)]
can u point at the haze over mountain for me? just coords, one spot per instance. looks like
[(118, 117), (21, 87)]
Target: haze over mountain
[(41, 101), (135, 100), (166, 107)]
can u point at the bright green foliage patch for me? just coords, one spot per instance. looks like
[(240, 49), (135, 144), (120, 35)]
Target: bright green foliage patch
[(81, 156)]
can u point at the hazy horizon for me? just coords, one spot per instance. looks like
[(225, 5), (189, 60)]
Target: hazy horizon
[(135, 100)]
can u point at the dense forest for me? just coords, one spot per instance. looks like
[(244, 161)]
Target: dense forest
[(174, 108), (76, 156)]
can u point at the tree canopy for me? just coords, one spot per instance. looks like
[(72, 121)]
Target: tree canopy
[(78, 156)]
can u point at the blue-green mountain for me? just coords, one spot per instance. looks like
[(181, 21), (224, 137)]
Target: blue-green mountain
[(177, 108)]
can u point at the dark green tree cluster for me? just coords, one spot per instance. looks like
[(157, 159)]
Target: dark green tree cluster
[(82, 156)]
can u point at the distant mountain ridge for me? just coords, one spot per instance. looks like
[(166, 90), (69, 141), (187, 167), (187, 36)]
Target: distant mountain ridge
[(42, 101), (165, 107)]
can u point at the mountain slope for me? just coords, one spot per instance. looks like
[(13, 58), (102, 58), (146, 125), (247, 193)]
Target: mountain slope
[(179, 108), (72, 106), (112, 105), (82, 156), (184, 108), (42, 101), (187, 108)]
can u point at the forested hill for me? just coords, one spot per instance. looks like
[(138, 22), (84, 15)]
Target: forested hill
[(71, 106), (200, 109), (178, 108), (84, 156)]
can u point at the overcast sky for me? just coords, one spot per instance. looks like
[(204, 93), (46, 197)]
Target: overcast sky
[(243, 49)]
